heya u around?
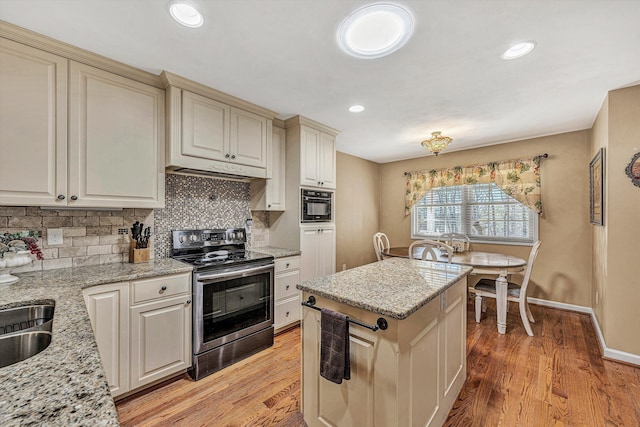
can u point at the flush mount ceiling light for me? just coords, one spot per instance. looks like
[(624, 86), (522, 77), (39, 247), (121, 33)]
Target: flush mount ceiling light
[(185, 13), (375, 30), (356, 108), (519, 50), (436, 143)]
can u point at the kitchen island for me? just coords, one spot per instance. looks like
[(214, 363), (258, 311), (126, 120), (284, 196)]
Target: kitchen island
[(65, 384), (408, 374)]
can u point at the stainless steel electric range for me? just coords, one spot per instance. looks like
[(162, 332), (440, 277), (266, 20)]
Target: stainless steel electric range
[(232, 297)]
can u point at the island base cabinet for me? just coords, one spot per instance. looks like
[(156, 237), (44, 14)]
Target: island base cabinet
[(407, 375)]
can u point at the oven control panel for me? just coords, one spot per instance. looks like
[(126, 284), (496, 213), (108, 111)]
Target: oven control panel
[(185, 239)]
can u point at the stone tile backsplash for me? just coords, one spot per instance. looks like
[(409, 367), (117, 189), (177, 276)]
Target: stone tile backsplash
[(94, 236), (89, 236), (194, 202)]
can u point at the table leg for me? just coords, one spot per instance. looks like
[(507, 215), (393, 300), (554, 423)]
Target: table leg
[(501, 301)]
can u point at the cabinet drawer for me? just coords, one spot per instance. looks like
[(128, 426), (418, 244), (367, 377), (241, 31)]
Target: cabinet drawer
[(287, 312), (160, 287), (286, 264), (285, 286)]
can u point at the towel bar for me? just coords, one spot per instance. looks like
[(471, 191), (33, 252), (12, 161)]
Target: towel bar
[(381, 323)]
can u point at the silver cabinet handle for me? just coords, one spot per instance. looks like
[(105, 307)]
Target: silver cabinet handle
[(74, 197), (61, 197)]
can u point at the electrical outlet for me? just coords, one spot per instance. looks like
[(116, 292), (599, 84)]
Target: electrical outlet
[(344, 267), (597, 297), (54, 236)]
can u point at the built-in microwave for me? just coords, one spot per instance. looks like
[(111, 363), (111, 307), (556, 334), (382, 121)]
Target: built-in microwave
[(316, 206)]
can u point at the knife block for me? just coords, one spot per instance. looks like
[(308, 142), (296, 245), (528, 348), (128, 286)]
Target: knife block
[(137, 255)]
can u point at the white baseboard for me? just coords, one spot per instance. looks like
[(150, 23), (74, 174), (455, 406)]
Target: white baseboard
[(609, 353)]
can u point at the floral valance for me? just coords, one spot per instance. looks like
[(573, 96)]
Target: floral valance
[(518, 178)]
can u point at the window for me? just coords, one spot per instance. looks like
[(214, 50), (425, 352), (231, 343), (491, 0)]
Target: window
[(482, 211)]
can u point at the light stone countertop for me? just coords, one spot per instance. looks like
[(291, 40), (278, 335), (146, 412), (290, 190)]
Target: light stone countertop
[(394, 287), (276, 252), (65, 385)]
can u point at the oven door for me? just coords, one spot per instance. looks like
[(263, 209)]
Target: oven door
[(231, 304)]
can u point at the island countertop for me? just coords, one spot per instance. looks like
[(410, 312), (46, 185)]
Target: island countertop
[(394, 287), (65, 384)]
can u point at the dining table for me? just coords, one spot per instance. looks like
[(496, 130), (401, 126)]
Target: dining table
[(482, 263)]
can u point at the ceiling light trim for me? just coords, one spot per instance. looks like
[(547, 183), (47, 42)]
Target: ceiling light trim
[(185, 13), (518, 50), (357, 108), (360, 34)]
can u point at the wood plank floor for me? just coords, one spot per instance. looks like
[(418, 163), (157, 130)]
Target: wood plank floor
[(556, 378)]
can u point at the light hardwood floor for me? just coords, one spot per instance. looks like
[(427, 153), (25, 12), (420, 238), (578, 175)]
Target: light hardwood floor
[(555, 378)]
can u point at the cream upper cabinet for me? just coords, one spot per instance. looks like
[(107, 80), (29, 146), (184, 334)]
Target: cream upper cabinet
[(96, 142), (33, 125), (211, 132), (269, 194), (315, 143), (116, 140), (205, 127)]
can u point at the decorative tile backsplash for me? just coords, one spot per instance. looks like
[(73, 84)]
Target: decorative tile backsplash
[(89, 236), (95, 236), (194, 202)]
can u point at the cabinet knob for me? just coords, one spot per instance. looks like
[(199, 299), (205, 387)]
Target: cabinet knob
[(322, 183), (61, 197), (188, 302), (74, 197), (226, 156), (163, 288), (287, 288), (318, 182), (233, 156), (268, 206), (287, 266), (287, 315)]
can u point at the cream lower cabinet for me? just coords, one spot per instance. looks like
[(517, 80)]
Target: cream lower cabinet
[(407, 375), (318, 246), (287, 296), (142, 328), (108, 307)]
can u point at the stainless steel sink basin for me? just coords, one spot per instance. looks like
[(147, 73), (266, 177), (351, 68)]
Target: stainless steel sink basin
[(15, 348), (32, 317), (24, 331)]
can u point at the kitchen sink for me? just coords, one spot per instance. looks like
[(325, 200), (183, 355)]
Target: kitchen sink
[(24, 331), (17, 347)]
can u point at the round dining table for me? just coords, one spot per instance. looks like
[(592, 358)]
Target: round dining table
[(482, 263)]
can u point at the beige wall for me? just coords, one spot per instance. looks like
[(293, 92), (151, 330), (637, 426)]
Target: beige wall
[(563, 268), (357, 205), (621, 287)]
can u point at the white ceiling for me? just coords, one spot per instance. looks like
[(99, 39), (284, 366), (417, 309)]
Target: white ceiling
[(282, 54)]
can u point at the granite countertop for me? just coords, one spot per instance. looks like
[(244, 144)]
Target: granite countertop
[(395, 287), (65, 385), (276, 252)]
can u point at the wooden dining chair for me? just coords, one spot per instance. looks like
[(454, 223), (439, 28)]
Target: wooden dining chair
[(431, 250), (517, 293), (380, 243)]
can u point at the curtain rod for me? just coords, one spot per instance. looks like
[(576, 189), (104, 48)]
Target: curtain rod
[(539, 156)]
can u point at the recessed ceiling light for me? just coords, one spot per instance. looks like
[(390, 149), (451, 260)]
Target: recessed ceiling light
[(375, 30), (519, 50), (356, 108), (186, 14)]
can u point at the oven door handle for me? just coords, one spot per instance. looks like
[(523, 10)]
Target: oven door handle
[(234, 273)]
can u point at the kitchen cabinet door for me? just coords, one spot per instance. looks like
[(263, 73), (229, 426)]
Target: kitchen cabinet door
[(160, 339), (309, 146), (116, 140), (318, 246), (327, 160), (269, 194), (108, 307), (248, 138), (205, 127), (33, 126)]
